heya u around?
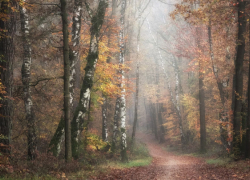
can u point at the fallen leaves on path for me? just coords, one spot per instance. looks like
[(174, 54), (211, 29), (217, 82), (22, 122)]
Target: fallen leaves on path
[(167, 166)]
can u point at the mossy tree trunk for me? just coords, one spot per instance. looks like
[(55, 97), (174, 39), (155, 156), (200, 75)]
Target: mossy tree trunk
[(97, 20)]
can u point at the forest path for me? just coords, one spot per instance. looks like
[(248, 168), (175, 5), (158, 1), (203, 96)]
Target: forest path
[(168, 166), (180, 167)]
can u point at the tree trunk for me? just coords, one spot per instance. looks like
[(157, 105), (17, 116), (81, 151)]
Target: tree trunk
[(136, 104), (64, 14), (153, 119), (202, 112), (135, 124), (105, 103), (74, 52), (222, 85), (123, 91), (104, 120), (239, 79), (116, 123), (247, 155), (26, 76), (55, 143), (77, 124), (7, 28), (162, 129)]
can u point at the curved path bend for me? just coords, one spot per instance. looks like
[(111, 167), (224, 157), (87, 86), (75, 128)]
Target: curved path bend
[(168, 166)]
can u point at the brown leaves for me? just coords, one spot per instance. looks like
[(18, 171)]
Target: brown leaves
[(169, 166), (137, 173)]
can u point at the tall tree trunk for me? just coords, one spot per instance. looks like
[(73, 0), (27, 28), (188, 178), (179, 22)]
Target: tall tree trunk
[(104, 120), (239, 79), (64, 14), (153, 119), (116, 125), (222, 85), (55, 143), (26, 76), (7, 28), (201, 99), (247, 155), (202, 111), (162, 129), (135, 124), (136, 104), (77, 124), (123, 91), (105, 102)]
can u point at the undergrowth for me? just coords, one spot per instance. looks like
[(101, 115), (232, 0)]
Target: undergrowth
[(95, 158)]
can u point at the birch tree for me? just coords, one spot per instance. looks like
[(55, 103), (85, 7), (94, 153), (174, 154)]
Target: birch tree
[(26, 76), (120, 109), (97, 20), (123, 92), (56, 141), (105, 101)]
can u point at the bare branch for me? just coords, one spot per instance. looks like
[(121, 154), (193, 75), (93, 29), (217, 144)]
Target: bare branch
[(44, 79)]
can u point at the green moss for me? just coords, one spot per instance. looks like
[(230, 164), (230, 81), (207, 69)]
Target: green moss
[(136, 163), (218, 161)]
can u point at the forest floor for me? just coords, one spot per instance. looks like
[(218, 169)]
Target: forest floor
[(170, 166)]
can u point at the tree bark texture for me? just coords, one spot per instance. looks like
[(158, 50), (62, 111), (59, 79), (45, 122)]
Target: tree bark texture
[(201, 99), (64, 14), (74, 54), (239, 79), (7, 50), (116, 124), (247, 155), (104, 120), (202, 112), (80, 112), (55, 144), (26, 76), (123, 91)]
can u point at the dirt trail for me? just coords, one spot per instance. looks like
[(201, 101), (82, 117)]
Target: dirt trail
[(167, 166), (186, 167), (175, 167)]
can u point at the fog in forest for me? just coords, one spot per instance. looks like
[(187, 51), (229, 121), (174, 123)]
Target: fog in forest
[(124, 89)]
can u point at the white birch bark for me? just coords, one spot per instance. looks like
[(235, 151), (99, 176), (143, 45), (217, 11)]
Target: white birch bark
[(104, 120), (55, 144), (76, 30), (26, 76), (121, 101), (116, 123), (123, 91), (81, 110)]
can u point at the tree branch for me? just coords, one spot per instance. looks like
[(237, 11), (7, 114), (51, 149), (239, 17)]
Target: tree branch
[(44, 79)]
